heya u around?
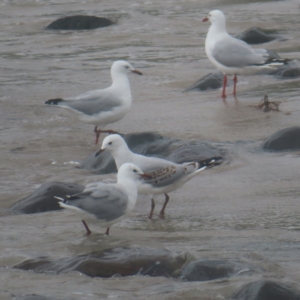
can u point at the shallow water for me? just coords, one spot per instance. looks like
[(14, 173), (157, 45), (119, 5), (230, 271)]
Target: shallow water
[(245, 210)]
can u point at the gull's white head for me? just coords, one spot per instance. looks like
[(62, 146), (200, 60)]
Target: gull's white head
[(130, 171), (113, 142), (122, 66), (216, 17)]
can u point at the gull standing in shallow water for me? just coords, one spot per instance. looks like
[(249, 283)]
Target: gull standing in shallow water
[(106, 203), (103, 106), (163, 176), (233, 56)]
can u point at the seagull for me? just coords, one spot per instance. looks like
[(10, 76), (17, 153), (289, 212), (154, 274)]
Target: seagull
[(106, 203), (103, 106), (231, 55), (163, 176)]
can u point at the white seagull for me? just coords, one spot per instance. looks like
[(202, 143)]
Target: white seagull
[(106, 203), (103, 106), (163, 176), (233, 56)]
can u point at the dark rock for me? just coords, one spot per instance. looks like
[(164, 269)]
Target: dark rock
[(35, 297), (79, 23), (211, 81), (290, 69), (284, 139), (42, 200), (266, 290), (288, 73), (116, 261), (186, 151), (202, 270), (256, 35), (153, 144)]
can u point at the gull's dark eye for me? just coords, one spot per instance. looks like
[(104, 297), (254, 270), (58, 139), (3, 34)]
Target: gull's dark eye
[(134, 170), (109, 143), (126, 67)]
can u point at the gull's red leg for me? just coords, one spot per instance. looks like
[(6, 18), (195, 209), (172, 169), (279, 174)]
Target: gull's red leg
[(98, 131), (162, 212), (224, 86), (152, 208), (234, 86), (88, 232)]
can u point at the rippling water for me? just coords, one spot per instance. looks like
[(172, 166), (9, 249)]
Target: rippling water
[(246, 210)]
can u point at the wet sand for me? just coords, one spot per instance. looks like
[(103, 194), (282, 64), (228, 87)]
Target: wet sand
[(245, 210)]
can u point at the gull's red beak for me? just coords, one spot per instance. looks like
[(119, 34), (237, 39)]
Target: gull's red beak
[(98, 152), (137, 72), (205, 19), (145, 176)]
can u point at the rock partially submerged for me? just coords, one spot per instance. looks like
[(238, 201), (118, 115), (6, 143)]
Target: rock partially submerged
[(35, 297), (153, 144), (42, 200), (284, 139), (117, 261), (203, 270), (79, 22), (266, 290), (288, 73), (211, 81), (256, 35)]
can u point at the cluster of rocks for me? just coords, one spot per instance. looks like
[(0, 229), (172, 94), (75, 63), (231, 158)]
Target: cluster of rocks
[(152, 261), (160, 262), (149, 144)]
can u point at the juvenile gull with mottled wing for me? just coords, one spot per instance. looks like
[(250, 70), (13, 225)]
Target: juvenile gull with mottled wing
[(163, 176)]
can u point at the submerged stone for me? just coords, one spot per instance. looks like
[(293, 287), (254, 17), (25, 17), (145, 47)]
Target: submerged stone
[(211, 81), (35, 297), (154, 144), (42, 199), (257, 35), (266, 290), (284, 139), (79, 23), (289, 72), (116, 261), (203, 270)]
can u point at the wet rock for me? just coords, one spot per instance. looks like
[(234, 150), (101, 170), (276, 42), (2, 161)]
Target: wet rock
[(202, 270), (211, 81), (284, 139), (153, 144), (35, 297), (289, 72), (256, 35), (42, 200), (79, 23), (266, 290), (116, 261)]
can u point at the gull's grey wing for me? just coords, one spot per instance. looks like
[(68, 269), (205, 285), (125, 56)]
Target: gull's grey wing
[(232, 52), (92, 102), (150, 164), (166, 176), (107, 202)]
